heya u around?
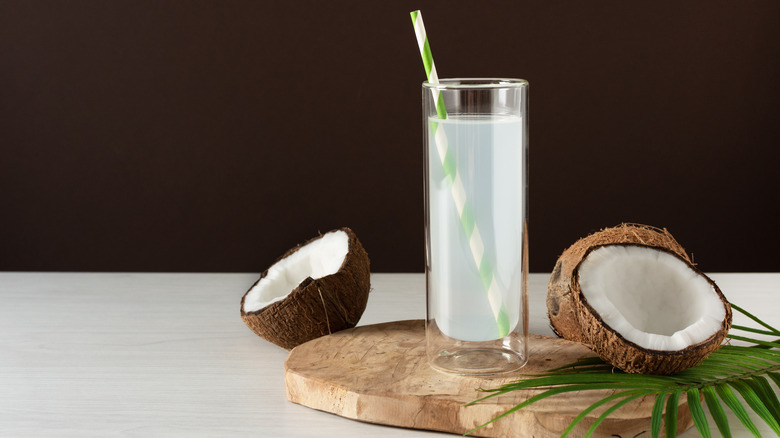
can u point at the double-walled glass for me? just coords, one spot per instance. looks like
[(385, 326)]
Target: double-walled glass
[(476, 243)]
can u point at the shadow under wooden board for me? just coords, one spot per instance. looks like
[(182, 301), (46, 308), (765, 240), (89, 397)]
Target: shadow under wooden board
[(379, 374)]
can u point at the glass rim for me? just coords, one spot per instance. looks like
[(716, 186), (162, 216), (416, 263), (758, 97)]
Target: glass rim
[(476, 83)]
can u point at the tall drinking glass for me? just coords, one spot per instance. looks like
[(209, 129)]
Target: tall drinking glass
[(476, 243)]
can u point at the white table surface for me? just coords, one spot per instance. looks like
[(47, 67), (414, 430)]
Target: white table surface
[(133, 354)]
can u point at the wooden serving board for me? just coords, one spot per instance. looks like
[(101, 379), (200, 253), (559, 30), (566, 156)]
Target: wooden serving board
[(379, 374)]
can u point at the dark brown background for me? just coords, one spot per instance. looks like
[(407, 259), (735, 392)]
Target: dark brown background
[(214, 135)]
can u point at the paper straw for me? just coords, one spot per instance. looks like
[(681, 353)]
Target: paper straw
[(465, 212)]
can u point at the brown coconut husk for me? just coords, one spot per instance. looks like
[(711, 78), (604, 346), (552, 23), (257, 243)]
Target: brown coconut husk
[(316, 307), (561, 308), (613, 348)]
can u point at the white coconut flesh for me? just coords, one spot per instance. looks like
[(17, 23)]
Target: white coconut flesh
[(650, 297), (317, 259)]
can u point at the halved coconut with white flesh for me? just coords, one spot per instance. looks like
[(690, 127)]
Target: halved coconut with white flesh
[(560, 306), (313, 290), (646, 309)]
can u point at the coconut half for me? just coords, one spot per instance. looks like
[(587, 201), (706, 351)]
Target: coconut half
[(648, 310), (315, 289), (561, 307)]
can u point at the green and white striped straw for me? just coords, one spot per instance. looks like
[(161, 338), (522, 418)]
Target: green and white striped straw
[(465, 212)]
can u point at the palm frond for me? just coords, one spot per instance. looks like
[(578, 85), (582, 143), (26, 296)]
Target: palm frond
[(611, 409), (657, 414), (716, 411), (744, 369), (728, 397), (670, 416), (697, 413), (595, 405), (755, 319)]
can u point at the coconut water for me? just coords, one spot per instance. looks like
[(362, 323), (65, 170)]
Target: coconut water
[(488, 154)]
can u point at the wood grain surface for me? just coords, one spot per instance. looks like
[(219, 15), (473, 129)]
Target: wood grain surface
[(167, 355), (379, 374)]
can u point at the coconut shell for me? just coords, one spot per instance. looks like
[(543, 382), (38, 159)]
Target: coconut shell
[(316, 307), (561, 308), (628, 356)]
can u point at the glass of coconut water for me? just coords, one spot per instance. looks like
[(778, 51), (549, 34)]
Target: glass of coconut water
[(476, 243)]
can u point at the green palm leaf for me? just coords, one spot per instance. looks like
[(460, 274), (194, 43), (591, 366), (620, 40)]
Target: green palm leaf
[(595, 405), (606, 413), (716, 411), (754, 330), (731, 401), (752, 399), (746, 368), (767, 395), (754, 318), (657, 415), (775, 377), (758, 342), (670, 417), (697, 413)]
